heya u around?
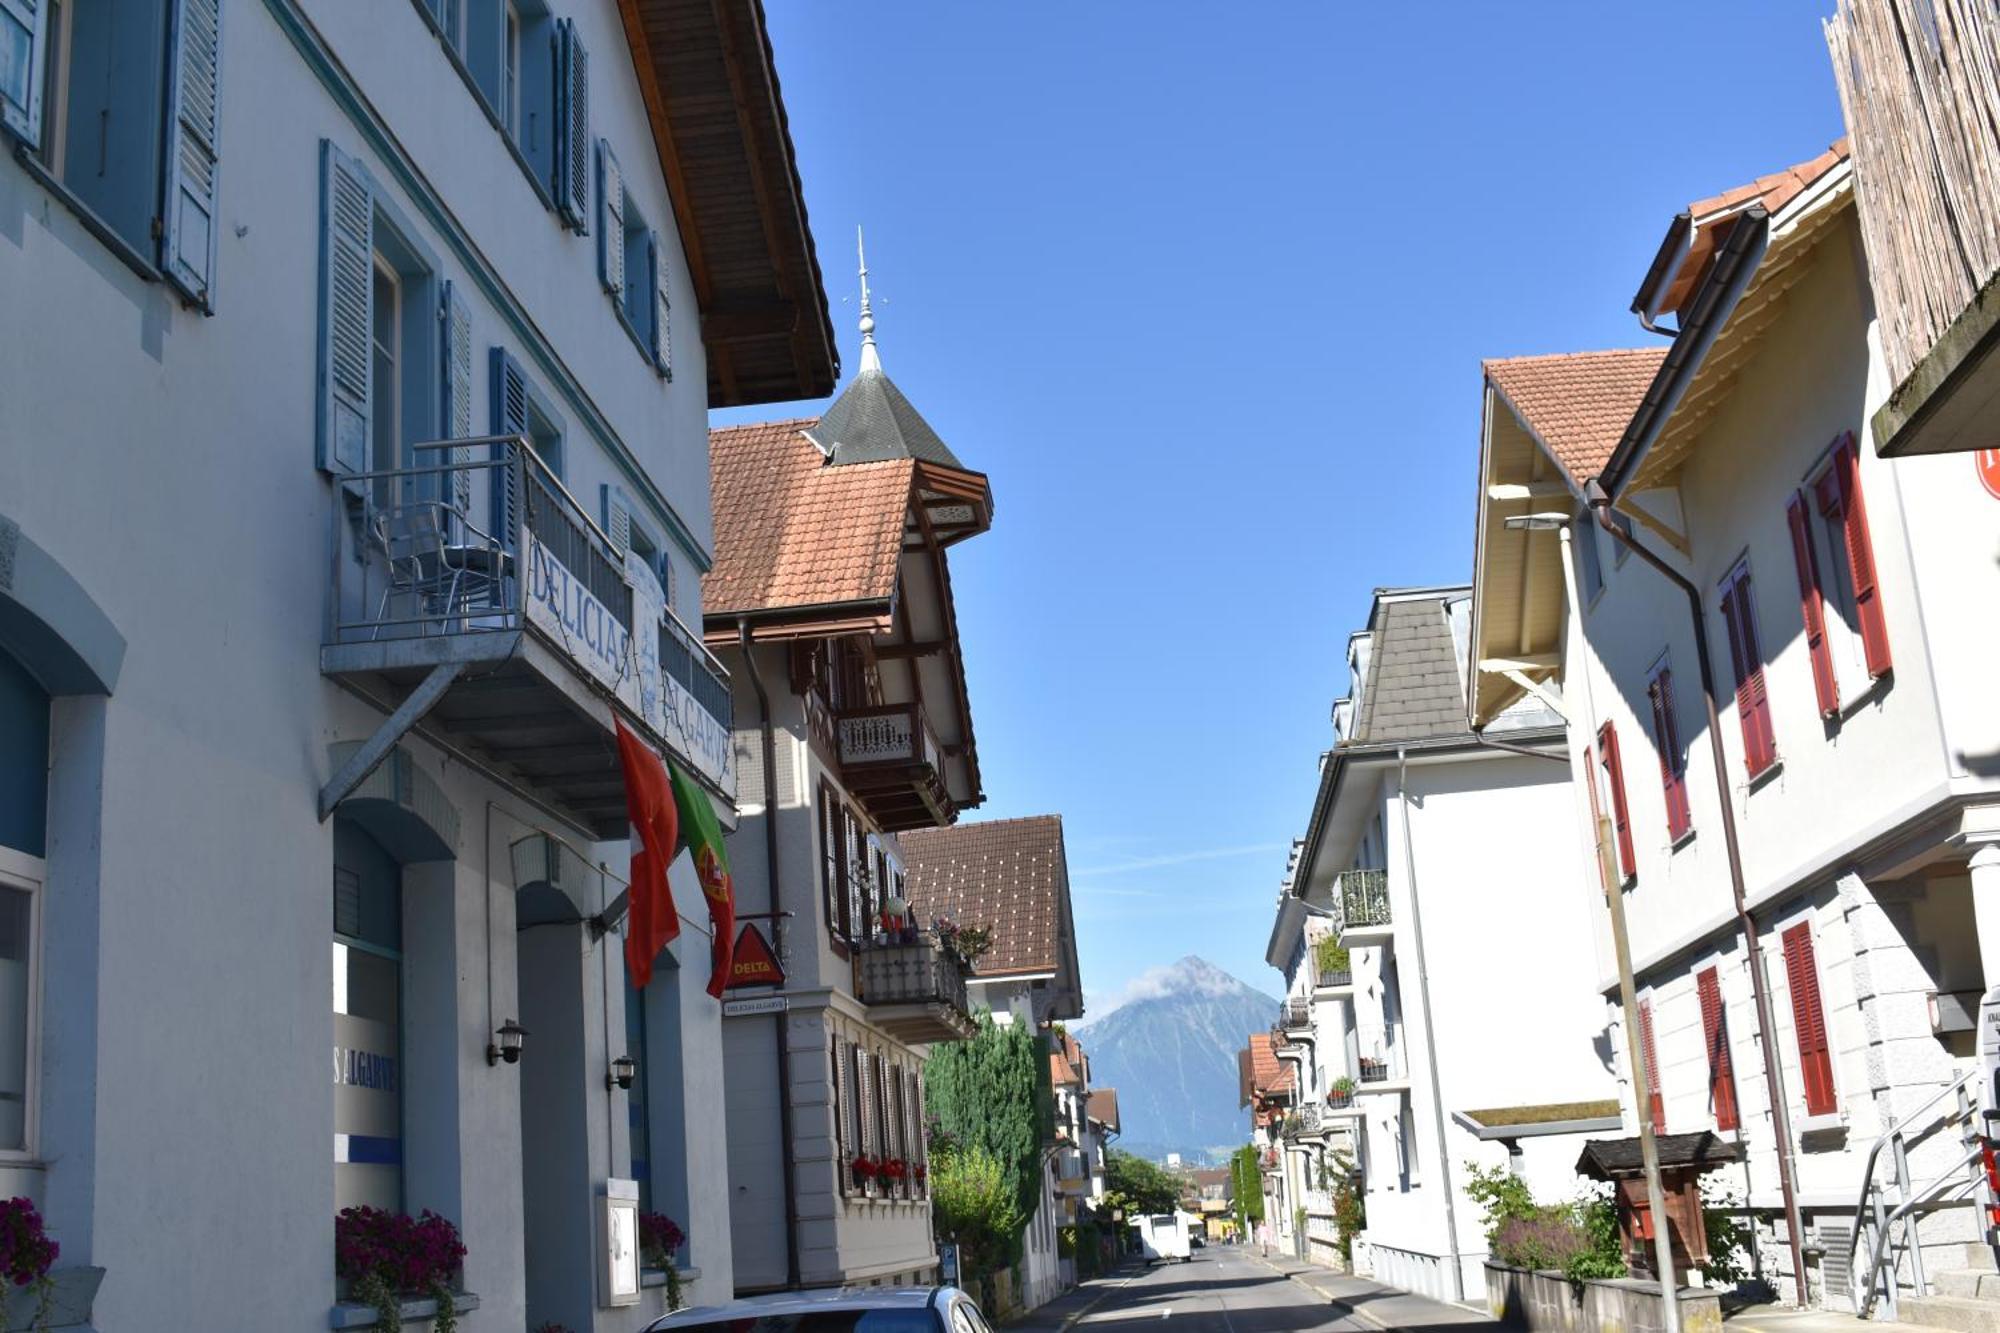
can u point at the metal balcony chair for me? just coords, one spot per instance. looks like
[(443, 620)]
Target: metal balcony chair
[(442, 563)]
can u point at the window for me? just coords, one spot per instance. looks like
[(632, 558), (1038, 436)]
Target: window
[(1656, 1105), (1753, 706), (1715, 1038), (117, 105), (637, 1098), (24, 760), (1612, 776), (520, 409), (833, 873), (1667, 741), (1847, 639), (1589, 569), (367, 1022), (1809, 1019), (631, 264), (510, 72)]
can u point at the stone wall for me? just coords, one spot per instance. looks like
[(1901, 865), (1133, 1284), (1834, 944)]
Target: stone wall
[(1548, 1302)]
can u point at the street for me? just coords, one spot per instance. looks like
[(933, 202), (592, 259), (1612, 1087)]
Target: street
[(1233, 1289)]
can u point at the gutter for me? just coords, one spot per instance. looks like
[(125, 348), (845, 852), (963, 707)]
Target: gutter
[(782, 1018), (1727, 278), (1673, 251)]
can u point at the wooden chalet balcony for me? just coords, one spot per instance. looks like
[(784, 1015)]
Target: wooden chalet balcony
[(892, 763), (914, 992), (475, 593)]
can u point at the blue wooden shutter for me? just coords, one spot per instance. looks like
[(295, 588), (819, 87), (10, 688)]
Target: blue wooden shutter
[(663, 347), (457, 378), (346, 310), (23, 41), (610, 221), (510, 417), (187, 234), (572, 183), (617, 517)]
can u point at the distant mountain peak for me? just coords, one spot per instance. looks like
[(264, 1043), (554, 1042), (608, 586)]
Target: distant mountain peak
[(1189, 976)]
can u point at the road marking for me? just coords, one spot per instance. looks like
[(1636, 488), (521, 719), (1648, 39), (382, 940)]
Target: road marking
[(1167, 1313)]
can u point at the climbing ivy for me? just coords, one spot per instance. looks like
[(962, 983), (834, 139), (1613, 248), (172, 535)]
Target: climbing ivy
[(1246, 1183), (992, 1094)]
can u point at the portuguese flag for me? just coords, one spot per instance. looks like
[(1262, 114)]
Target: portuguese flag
[(702, 835)]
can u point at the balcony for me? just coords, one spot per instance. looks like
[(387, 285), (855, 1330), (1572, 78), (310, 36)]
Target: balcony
[(1306, 1122), (475, 592), (893, 764), (914, 992), (1296, 1016), (1361, 898), (1380, 1072)]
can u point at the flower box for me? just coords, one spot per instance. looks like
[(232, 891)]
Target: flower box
[(69, 1301), (351, 1314)]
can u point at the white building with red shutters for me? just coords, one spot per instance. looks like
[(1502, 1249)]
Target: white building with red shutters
[(1816, 875)]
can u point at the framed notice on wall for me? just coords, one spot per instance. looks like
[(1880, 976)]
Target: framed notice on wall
[(621, 1242)]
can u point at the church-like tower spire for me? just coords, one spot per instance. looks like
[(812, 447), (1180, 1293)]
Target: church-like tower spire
[(871, 360)]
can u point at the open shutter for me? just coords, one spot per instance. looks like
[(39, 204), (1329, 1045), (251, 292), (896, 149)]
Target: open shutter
[(1753, 705), (187, 208), (1809, 1019), (610, 221), (1666, 738), (663, 343), (1656, 1105), (346, 311), (1812, 606), (457, 424), (845, 1118), (510, 417), (572, 183), (1621, 819), (617, 517), (1715, 1037), (23, 44), (1861, 560)]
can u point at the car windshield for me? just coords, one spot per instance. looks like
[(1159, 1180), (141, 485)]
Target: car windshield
[(824, 1321)]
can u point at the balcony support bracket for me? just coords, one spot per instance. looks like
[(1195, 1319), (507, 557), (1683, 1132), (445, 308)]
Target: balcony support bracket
[(396, 726)]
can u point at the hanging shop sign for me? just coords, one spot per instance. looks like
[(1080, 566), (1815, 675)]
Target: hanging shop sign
[(753, 963)]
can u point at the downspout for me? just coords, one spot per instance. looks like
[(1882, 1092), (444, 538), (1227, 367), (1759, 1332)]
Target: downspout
[(1430, 1032), (782, 1018), (1600, 502)]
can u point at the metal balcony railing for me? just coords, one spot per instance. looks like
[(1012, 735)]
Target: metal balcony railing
[(1296, 1012), (921, 979), (1363, 898)]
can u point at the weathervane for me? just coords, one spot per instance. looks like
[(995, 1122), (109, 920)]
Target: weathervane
[(870, 358)]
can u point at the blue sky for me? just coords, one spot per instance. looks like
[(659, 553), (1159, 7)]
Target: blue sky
[(1204, 289)]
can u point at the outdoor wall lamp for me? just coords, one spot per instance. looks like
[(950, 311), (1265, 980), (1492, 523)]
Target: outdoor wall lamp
[(621, 1073), (511, 1035)]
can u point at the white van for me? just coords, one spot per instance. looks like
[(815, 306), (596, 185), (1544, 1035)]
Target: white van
[(1164, 1236)]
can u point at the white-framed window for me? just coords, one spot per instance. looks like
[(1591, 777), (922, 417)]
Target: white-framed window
[(21, 880), (367, 1022)]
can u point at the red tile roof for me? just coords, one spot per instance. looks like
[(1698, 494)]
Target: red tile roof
[(1061, 1072), (1102, 1106), (793, 532), (1268, 1074), (1009, 875), (1577, 403), (1777, 189), (1707, 222)]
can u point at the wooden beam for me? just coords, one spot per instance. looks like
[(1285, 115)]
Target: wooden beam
[(1541, 691), (1500, 666), (1534, 490), (1672, 537)]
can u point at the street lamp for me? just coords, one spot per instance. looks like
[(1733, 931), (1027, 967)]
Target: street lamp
[(511, 1035), (621, 1073)]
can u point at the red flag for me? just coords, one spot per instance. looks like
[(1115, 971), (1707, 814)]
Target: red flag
[(651, 922)]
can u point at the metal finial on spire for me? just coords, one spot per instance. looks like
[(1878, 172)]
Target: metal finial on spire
[(870, 358)]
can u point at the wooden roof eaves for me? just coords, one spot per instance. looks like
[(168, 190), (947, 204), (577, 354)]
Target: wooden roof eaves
[(784, 623), (1488, 694)]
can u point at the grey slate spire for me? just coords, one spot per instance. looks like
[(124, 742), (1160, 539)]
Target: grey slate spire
[(871, 420)]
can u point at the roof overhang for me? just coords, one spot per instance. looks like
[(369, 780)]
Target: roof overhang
[(710, 85), (1286, 931), (1950, 400), (1740, 295), (1530, 1128)]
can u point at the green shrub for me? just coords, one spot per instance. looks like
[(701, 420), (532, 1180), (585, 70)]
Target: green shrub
[(1330, 956), (972, 1203)]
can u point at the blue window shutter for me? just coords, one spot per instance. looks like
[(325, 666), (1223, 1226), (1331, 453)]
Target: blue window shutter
[(346, 310), (617, 517), (572, 183), (610, 221), (23, 40), (510, 417), (457, 379), (663, 343), (187, 209)]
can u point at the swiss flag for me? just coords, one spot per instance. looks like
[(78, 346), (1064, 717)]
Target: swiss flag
[(652, 923)]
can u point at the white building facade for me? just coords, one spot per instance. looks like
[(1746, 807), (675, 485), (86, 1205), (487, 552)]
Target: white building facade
[(308, 728)]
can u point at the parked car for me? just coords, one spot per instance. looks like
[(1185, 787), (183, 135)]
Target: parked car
[(835, 1310)]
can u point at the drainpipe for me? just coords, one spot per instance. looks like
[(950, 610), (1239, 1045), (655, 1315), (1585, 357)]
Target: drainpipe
[(783, 1017), (1430, 1032), (1781, 1118)]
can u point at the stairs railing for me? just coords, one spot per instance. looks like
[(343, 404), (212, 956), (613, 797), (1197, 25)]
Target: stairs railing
[(1885, 1217)]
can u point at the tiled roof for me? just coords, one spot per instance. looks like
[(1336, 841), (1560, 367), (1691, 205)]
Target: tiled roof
[(1413, 690), (1102, 1106), (1577, 404), (1776, 190), (791, 531), (1268, 1074), (1061, 1072), (1009, 875)]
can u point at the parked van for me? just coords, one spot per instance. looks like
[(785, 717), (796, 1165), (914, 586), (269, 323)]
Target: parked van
[(1164, 1236)]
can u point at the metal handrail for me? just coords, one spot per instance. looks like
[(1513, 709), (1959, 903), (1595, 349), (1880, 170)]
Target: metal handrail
[(534, 460), (1877, 1225)]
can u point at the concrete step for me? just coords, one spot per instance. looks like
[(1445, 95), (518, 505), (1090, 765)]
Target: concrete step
[(1967, 1283), (1961, 1314)]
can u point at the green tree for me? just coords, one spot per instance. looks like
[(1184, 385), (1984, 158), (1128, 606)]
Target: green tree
[(972, 1203), (991, 1095), (1137, 1185)]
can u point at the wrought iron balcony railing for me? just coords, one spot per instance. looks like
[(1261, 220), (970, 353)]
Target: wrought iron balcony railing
[(892, 761), (1363, 899), (915, 992)]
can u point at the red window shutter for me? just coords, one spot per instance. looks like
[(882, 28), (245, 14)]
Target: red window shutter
[(1666, 739), (1861, 560), (1812, 606), (1753, 706), (1715, 1035), (1809, 1020), (1657, 1106), (1621, 821)]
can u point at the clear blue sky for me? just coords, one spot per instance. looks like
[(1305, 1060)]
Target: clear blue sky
[(1204, 289)]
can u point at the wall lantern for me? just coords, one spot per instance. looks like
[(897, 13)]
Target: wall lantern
[(511, 1035), (622, 1071)]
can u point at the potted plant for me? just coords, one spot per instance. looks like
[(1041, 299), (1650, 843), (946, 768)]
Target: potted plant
[(660, 1239), (384, 1256), (27, 1253), (1373, 1070), (1341, 1093), (866, 1168)]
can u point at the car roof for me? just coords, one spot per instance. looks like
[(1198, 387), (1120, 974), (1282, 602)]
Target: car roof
[(780, 1303)]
